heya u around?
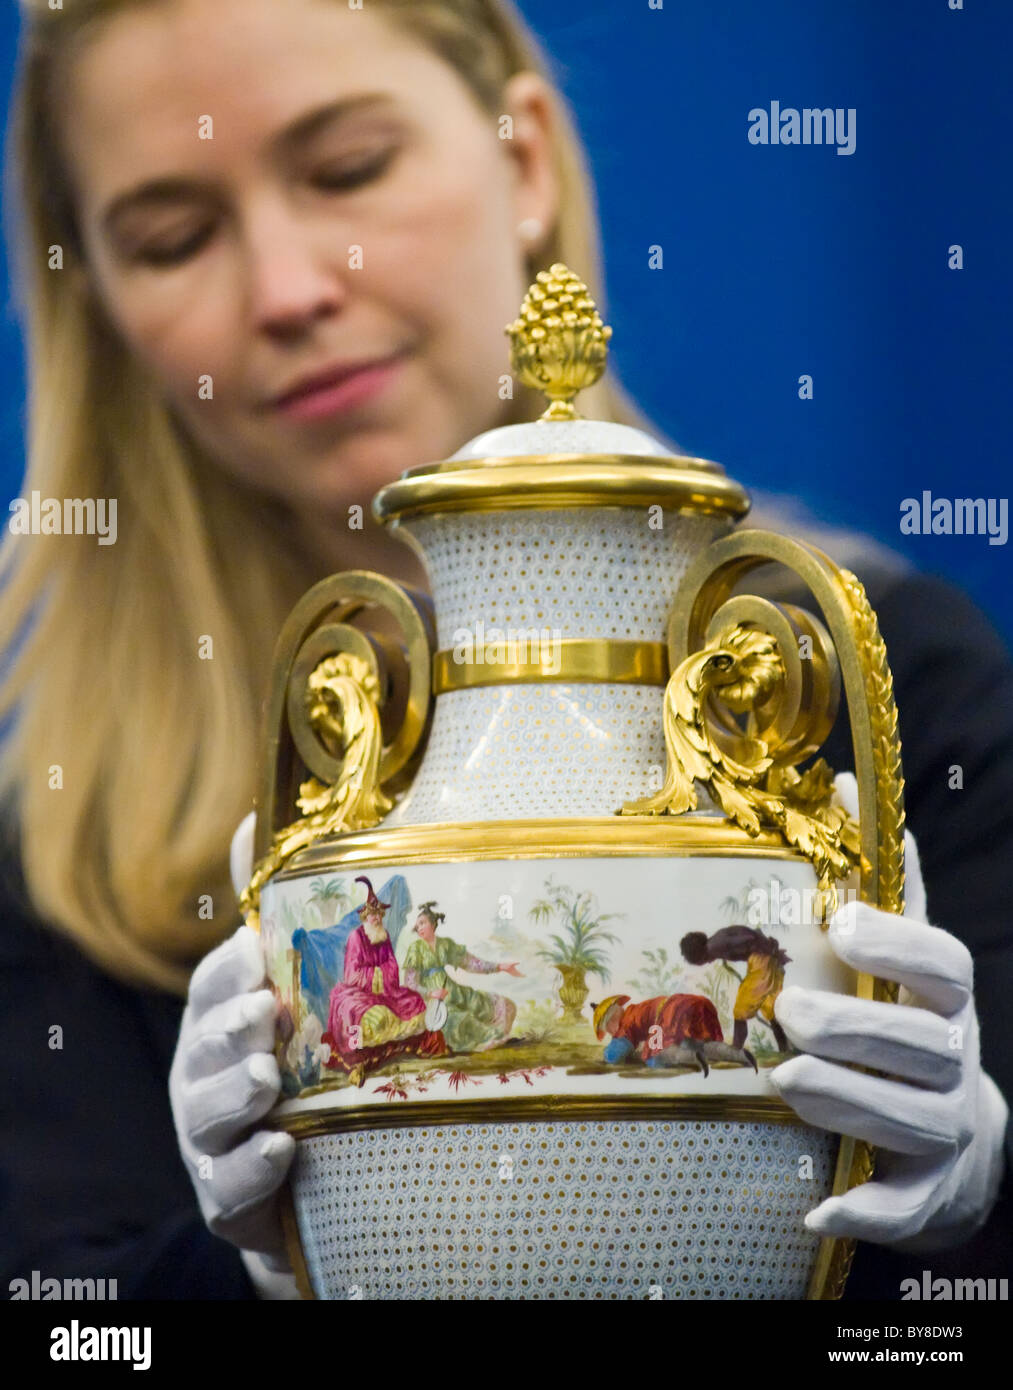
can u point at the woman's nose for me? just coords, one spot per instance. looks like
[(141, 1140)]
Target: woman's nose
[(292, 278)]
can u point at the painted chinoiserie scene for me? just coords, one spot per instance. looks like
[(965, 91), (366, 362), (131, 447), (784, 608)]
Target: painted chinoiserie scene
[(536, 854), (387, 991)]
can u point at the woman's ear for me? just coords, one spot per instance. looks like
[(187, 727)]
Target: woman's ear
[(529, 101)]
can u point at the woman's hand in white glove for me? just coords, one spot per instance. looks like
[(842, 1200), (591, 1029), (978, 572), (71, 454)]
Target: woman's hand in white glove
[(940, 1126), (224, 1079)]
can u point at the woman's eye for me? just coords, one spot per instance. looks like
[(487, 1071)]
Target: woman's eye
[(342, 176), (335, 178), (176, 252)]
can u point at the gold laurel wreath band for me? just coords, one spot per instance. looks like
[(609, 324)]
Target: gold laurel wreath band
[(837, 1256)]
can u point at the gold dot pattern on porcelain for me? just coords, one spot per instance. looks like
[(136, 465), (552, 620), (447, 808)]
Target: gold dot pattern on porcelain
[(586, 572), (568, 1210), (510, 752)]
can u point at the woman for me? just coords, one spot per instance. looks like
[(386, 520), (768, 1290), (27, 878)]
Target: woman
[(199, 231)]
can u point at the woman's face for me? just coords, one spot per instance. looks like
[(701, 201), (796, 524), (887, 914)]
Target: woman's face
[(425, 928), (236, 265)]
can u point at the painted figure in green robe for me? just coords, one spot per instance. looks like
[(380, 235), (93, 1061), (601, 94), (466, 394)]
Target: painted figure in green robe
[(475, 1019)]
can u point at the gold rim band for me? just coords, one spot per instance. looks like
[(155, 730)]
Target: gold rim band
[(562, 480), (596, 659), (607, 837), (337, 1119)]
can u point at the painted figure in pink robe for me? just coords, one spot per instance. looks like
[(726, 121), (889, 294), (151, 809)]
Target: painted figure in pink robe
[(369, 1006)]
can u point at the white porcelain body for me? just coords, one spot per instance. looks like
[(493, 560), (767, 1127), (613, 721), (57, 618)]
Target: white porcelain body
[(548, 749)]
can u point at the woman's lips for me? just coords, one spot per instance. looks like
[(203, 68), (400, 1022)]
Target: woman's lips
[(323, 402)]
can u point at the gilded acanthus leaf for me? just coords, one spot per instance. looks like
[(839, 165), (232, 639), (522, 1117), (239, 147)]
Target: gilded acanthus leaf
[(742, 670)]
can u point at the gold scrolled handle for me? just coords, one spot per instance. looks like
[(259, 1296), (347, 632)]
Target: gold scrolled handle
[(750, 664), (868, 687), (348, 707)]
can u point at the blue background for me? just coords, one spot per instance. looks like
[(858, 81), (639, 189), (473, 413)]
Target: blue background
[(780, 261)]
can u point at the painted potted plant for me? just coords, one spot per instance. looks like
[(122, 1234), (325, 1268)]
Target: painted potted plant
[(578, 947)]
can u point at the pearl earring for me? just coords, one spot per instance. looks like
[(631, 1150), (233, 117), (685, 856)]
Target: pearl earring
[(530, 229)]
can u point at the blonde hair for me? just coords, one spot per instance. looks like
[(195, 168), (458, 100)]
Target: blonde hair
[(158, 749)]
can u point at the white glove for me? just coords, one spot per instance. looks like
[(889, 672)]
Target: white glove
[(224, 1078), (940, 1128)]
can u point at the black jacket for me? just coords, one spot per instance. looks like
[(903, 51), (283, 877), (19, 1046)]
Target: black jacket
[(91, 1182)]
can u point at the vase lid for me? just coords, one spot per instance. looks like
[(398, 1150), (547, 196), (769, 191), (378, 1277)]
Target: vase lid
[(559, 346)]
